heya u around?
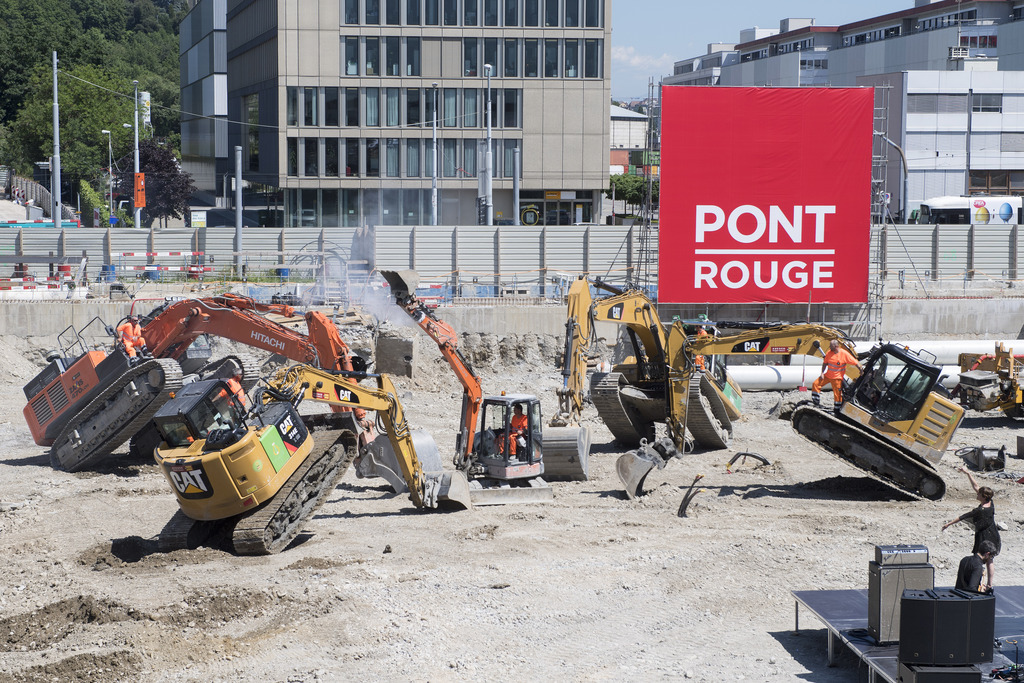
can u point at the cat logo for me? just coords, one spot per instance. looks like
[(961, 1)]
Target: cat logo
[(344, 394), (752, 346), (615, 312), (189, 481)]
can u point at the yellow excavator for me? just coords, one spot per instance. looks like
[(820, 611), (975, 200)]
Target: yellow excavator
[(991, 381), (894, 424), (257, 476)]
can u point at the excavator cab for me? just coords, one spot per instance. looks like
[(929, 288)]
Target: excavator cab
[(508, 444), (202, 410), (902, 397)]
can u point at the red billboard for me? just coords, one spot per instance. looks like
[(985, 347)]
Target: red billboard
[(765, 194)]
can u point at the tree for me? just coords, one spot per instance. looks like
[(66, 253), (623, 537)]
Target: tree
[(632, 189), (168, 188)]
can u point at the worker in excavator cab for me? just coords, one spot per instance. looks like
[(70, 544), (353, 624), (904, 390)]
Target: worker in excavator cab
[(130, 334), (519, 424), (833, 371)]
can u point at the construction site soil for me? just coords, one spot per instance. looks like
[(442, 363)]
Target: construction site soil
[(592, 586)]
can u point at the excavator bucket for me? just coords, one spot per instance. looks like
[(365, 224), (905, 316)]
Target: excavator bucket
[(448, 490), (402, 282), (633, 471), (566, 453)]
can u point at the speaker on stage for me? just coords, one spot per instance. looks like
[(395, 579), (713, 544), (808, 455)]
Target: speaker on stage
[(946, 627), (917, 673), (886, 583)]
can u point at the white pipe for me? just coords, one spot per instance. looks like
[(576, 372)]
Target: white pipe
[(789, 377)]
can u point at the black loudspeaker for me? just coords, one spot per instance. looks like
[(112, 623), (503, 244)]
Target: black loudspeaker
[(915, 673), (946, 627)]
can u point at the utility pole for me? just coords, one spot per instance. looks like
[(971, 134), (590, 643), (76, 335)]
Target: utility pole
[(55, 163), (433, 170), (488, 156), (138, 211), (110, 170), (238, 209)]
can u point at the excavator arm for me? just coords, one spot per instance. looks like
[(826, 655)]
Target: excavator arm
[(341, 389), (579, 331), (633, 309), (403, 287)]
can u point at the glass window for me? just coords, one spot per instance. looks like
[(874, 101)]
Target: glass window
[(450, 157), (251, 105), (511, 58), (551, 13), (429, 104), (572, 59), (309, 108), (508, 158), (470, 56), (987, 103), (329, 208), (412, 12), (412, 158), (511, 12), (312, 150), (469, 157), (292, 96), (493, 106), (393, 107), (412, 56), (470, 107), (392, 55), (351, 11), (371, 206), (530, 58), (351, 106), (431, 12), (372, 106), (391, 211), (490, 12), (591, 58), (572, 13), (331, 111), (411, 207), (491, 55), (331, 160), (550, 58), (350, 207), (351, 157), (451, 107), (428, 159), (451, 12), (391, 166), (351, 56), (511, 119), (293, 156), (372, 57), (372, 11), (393, 12), (373, 158), (592, 8), (412, 107), (469, 17), (531, 12)]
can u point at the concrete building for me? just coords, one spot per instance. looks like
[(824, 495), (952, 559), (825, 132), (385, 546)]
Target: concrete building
[(334, 104), (949, 79)]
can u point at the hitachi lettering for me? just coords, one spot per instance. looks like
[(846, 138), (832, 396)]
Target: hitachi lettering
[(777, 219), (269, 341)]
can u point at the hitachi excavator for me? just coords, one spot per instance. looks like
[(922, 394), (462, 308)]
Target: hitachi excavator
[(894, 424), (258, 476), (632, 397), (503, 461), (86, 403)]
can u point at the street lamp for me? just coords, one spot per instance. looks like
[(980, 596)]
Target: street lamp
[(488, 160), (110, 169), (433, 170), (138, 211)]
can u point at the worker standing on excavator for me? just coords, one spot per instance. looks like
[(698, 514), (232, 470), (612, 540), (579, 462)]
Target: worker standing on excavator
[(833, 369), (702, 333), (130, 334)]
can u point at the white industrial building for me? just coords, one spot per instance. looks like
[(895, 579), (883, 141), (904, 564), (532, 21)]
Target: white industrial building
[(949, 79)]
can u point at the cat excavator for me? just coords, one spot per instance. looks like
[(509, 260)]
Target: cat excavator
[(86, 403), (257, 476), (991, 381), (503, 467), (894, 425)]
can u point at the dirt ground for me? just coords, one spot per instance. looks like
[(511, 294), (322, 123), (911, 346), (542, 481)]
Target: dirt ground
[(592, 586)]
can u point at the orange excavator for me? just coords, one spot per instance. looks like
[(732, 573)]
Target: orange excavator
[(86, 403), (504, 463)]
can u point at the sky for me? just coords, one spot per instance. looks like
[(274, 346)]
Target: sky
[(648, 36)]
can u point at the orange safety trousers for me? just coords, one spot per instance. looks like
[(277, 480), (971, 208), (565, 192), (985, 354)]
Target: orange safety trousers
[(837, 387)]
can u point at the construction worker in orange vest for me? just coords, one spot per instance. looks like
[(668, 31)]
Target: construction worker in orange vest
[(701, 334), (130, 334), (833, 369), (235, 384)]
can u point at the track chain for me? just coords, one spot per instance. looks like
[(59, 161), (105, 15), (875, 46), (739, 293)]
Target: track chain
[(271, 527), (706, 417), (184, 533), (124, 423), (604, 393), (844, 434)]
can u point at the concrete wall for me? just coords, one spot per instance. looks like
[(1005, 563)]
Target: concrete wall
[(50, 318)]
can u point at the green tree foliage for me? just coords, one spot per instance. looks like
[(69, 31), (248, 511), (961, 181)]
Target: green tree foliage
[(631, 189), (168, 187)]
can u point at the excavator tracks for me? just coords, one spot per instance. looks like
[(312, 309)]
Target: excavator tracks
[(271, 527), (706, 417), (116, 414), (625, 425), (875, 458), (184, 533)]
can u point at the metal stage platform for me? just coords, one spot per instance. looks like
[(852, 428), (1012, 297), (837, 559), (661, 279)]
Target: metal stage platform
[(845, 615)]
